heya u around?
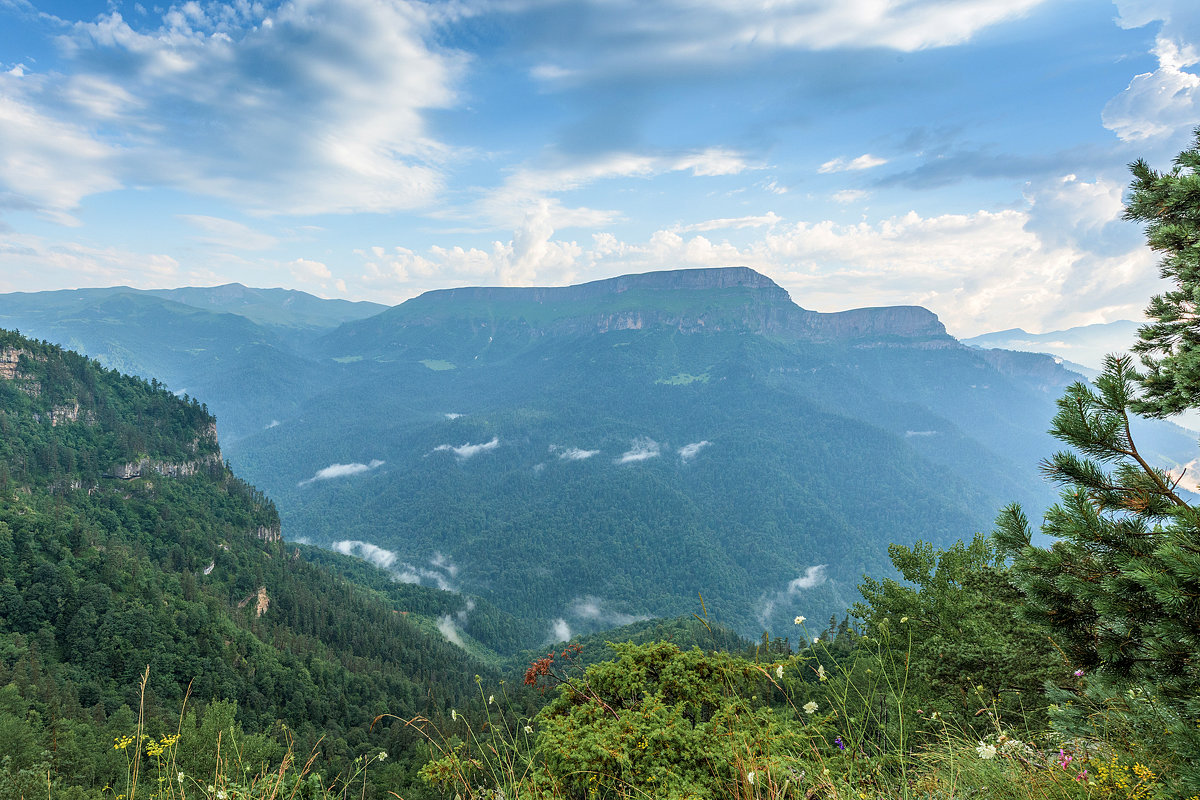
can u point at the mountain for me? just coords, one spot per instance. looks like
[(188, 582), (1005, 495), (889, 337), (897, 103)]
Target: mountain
[(614, 449), (126, 541), (1084, 346), (588, 456)]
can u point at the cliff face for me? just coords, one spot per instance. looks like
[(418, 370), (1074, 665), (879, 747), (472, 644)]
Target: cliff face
[(689, 301)]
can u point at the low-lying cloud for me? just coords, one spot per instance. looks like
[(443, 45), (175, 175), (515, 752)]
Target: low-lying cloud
[(813, 576), (452, 415), (441, 575), (640, 450), (910, 434), (466, 451), (560, 631), (365, 550), (572, 453), (341, 471), (447, 628), (689, 451), (594, 608)]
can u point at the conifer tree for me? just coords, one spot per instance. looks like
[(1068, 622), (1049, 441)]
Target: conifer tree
[(1119, 590)]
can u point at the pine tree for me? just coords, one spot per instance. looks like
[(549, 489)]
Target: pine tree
[(1119, 589), (1169, 204)]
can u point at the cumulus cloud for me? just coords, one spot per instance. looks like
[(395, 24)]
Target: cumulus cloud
[(641, 449), (466, 451), (30, 263), (839, 164), (572, 453), (1159, 103), (365, 550), (689, 451), (341, 471), (813, 576), (307, 271)]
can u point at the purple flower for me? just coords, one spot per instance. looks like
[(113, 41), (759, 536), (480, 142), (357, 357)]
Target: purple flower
[(840, 744), (1078, 673)]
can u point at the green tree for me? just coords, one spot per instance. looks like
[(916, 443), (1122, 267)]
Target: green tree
[(1120, 587), (1170, 344)]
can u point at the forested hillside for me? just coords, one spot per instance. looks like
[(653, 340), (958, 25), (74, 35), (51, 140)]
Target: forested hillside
[(127, 543)]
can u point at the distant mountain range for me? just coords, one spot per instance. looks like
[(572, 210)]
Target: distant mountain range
[(1082, 348), (592, 455)]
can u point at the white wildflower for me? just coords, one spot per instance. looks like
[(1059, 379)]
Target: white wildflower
[(800, 620), (810, 707), (529, 729), (821, 672), (382, 756), (179, 777), (750, 777), (454, 715), (779, 672), (221, 795), (904, 619), (491, 699), (986, 750)]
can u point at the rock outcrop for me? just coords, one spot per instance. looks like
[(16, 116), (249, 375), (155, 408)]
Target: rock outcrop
[(171, 469)]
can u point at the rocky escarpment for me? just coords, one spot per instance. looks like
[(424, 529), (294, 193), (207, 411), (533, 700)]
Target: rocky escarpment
[(689, 301), (145, 467)]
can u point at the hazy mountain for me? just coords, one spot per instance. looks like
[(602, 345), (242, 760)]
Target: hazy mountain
[(1084, 346)]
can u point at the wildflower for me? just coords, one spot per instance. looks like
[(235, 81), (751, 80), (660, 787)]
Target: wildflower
[(810, 707), (453, 715), (816, 639), (382, 756), (221, 794), (840, 744), (800, 620), (1083, 776), (821, 672), (529, 729), (1078, 673), (179, 777), (491, 699), (986, 751), (779, 672), (903, 619), (1064, 759), (750, 777)]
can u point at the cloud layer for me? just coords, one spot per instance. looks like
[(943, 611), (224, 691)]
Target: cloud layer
[(342, 471)]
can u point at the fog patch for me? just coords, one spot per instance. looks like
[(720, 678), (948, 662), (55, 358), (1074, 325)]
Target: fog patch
[(341, 471), (910, 434), (560, 631), (440, 576), (452, 415), (463, 452), (572, 453), (441, 562), (813, 576), (689, 451), (593, 608), (446, 626), (640, 449), (365, 550), (272, 424)]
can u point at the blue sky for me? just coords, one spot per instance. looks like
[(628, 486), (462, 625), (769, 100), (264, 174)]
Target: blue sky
[(964, 155)]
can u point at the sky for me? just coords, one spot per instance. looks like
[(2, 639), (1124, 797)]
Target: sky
[(969, 156)]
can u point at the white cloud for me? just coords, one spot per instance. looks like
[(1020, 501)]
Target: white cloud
[(307, 271), (272, 424), (847, 196), (642, 448), (813, 576), (29, 263), (341, 471), (365, 550), (573, 453), (445, 626), (770, 219), (560, 631), (689, 451), (229, 234), (596, 610), (315, 106), (839, 164), (452, 415), (466, 451), (1159, 103)]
